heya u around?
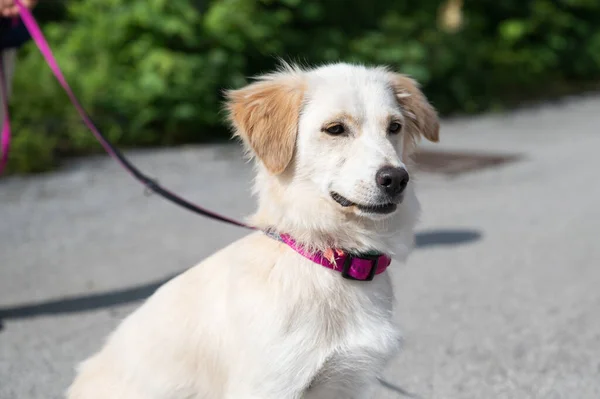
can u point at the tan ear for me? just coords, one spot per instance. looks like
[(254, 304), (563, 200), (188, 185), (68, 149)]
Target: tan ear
[(265, 115), (421, 117)]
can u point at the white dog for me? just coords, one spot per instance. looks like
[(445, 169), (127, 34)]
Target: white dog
[(278, 314)]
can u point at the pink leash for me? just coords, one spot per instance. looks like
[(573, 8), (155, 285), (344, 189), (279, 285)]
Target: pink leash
[(39, 39)]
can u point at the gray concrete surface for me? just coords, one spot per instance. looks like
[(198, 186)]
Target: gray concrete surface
[(500, 300)]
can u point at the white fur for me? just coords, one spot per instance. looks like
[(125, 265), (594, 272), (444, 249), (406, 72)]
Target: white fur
[(256, 319)]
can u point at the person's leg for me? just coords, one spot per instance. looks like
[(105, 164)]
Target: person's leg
[(8, 67)]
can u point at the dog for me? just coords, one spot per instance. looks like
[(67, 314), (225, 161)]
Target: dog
[(277, 314)]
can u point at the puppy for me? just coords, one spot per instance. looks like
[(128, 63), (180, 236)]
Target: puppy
[(283, 313)]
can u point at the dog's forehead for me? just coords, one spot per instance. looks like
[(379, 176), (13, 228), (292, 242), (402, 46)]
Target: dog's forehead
[(357, 90)]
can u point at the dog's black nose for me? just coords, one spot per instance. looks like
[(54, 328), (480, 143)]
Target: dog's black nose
[(392, 180)]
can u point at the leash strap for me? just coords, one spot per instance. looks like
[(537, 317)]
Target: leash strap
[(39, 39)]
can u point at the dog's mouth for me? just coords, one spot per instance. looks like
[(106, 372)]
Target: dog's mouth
[(383, 209)]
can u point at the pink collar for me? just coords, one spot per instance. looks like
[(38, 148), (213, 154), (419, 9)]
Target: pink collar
[(362, 267)]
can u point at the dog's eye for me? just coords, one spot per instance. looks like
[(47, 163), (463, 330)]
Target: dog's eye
[(335, 129), (394, 127)]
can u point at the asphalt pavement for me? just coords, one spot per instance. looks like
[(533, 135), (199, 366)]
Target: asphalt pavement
[(500, 300)]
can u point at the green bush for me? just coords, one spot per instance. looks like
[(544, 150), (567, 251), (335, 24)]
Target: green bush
[(151, 72)]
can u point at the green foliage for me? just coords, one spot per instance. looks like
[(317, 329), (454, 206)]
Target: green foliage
[(151, 72)]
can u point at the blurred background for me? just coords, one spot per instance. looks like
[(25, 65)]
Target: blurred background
[(501, 298), (151, 73)]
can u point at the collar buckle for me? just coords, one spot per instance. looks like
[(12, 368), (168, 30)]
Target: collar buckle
[(347, 270)]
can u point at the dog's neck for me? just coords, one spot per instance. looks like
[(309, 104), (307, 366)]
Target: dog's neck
[(318, 223)]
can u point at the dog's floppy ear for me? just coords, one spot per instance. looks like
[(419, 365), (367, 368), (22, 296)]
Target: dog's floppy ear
[(265, 115), (421, 117)]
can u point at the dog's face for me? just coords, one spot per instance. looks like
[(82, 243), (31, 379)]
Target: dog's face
[(340, 132)]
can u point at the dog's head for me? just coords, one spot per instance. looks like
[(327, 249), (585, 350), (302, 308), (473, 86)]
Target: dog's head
[(332, 143)]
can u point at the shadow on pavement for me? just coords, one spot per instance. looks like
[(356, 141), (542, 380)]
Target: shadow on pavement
[(83, 303), (120, 297), (447, 237)]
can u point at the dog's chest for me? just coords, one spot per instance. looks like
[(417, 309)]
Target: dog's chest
[(366, 339), (356, 360), (370, 337)]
